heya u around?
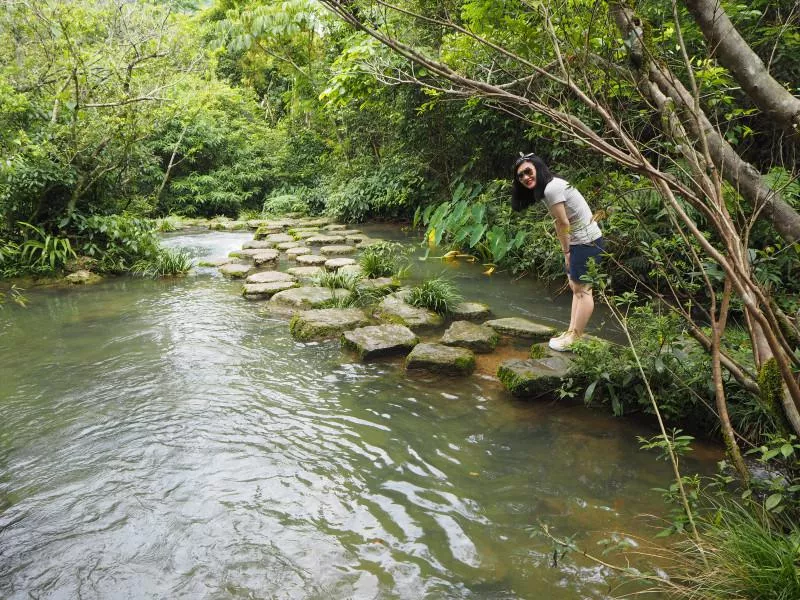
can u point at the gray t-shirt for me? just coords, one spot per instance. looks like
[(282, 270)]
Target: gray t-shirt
[(582, 230)]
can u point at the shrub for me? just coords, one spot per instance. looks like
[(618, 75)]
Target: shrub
[(41, 252), (439, 295), (285, 203), (384, 259), (117, 241)]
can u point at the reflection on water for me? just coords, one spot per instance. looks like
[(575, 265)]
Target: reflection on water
[(167, 440)]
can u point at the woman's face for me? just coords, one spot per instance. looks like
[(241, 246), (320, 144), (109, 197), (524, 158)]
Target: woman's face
[(526, 174)]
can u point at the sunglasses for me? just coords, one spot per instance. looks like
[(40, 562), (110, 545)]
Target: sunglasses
[(526, 172)]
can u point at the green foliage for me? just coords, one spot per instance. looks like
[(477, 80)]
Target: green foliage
[(166, 261), (438, 294), (284, 204), (384, 259), (41, 252), (117, 241)]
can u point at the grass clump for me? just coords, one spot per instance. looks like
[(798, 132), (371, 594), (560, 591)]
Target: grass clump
[(439, 295), (384, 259), (165, 262)]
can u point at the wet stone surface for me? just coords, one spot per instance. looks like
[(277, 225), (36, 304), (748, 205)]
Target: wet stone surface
[(534, 377), (375, 341), (471, 311), (306, 297), (235, 270), (441, 359), (311, 260), (519, 327), (326, 322), (395, 309), (269, 277), (464, 334), (334, 264), (265, 291)]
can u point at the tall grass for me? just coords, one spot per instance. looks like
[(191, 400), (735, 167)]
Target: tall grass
[(439, 295), (165, 262), (384, 259)]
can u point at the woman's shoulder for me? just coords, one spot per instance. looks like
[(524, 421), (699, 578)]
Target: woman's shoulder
[(555, 186)]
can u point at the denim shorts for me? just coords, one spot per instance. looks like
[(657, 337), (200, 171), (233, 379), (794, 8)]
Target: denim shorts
[(579, 255)]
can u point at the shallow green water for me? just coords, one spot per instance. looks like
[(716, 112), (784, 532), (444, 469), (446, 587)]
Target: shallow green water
[(167, 440)]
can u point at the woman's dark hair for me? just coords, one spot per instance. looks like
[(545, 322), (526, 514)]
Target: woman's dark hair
[(522, 197)]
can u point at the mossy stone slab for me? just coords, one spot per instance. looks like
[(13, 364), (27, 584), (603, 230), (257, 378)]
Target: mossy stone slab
[(337, 250), (304, 234), (293, 253), (266, 257), (213, 262), (247, 253), (441, 359), (83, 277), (305, 273), (256, 223), (265, 291), (334, 264), (394, 309), (464, 334), (471, 311), (519, 327), (334, 227), (269, 277), (375, 341), (311, 260), (278, 238), (257, 244), (306, 297), (236, 270), (321, 323), (288, 245), (534, 377), (355, 238), (325, 240)]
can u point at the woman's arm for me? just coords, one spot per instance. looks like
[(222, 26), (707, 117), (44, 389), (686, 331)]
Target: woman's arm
[(559, 214)]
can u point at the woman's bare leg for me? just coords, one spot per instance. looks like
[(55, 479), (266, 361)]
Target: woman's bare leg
[(582, 307)]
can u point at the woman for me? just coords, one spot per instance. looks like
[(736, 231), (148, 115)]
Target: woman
[(579, 236)]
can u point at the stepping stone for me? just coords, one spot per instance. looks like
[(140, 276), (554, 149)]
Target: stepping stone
[(326, 322), (324, 240), (339, 250), (236, 270), (518, 327), (334, 227), (266, 230), (367, 242), (395, 309), (355, 238), (334, 264), (266, 256), (534, 377), (311, 260), (213, 262), (304, 298), (287, 245), (256, 223), (293, 253), (304, 234), (478, 338), (375, 341), (257, 244), (277, 238), (228, 226), (265, 291), (245, 253), (306, 273), (378, 283), (269, 277), (470, 311), (441, 359), (317, 222), (350, 269)]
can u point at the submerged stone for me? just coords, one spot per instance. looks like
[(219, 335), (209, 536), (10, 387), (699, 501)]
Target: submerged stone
[(519, 327), (236, 270), (83, 277), (470, 311), (265, 291), (534, 377), (337, 250), (395, 309), (375, 341), (334, 264), (311, 260), (441, 359), (269, 277), (326, 322), (478, 338), (306, 297)]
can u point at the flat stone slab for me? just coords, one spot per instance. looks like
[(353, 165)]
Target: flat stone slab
[(351, 269), (367, 242), (355, 238), (334, 227), (326, 322), (464, 334), (334, 264), (306, 273), (519, 327), (293, 253), (306, 297), (265, 291), (266, 256), (257, 244), (256, 223), (375, 341), (236, 270), (471, 311), (304, 234), (245, 253), (213, 262), (325, 240), (269, 277), (228, 225), (278, 238), (287, 245), (337, 250), (534, 377), (311, 260), (378, 283), (394, 309), (441, 359)]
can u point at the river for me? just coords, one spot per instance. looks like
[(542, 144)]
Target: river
[(168, 439)]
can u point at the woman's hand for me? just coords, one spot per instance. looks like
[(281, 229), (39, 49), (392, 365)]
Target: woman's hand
[(566, 261)]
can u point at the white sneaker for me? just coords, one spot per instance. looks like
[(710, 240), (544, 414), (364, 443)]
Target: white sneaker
[(563, 342)]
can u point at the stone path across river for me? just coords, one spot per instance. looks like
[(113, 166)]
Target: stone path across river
[(392, 327)]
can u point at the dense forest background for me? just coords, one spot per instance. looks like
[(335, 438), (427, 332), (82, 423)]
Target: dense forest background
[(679, 122)]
